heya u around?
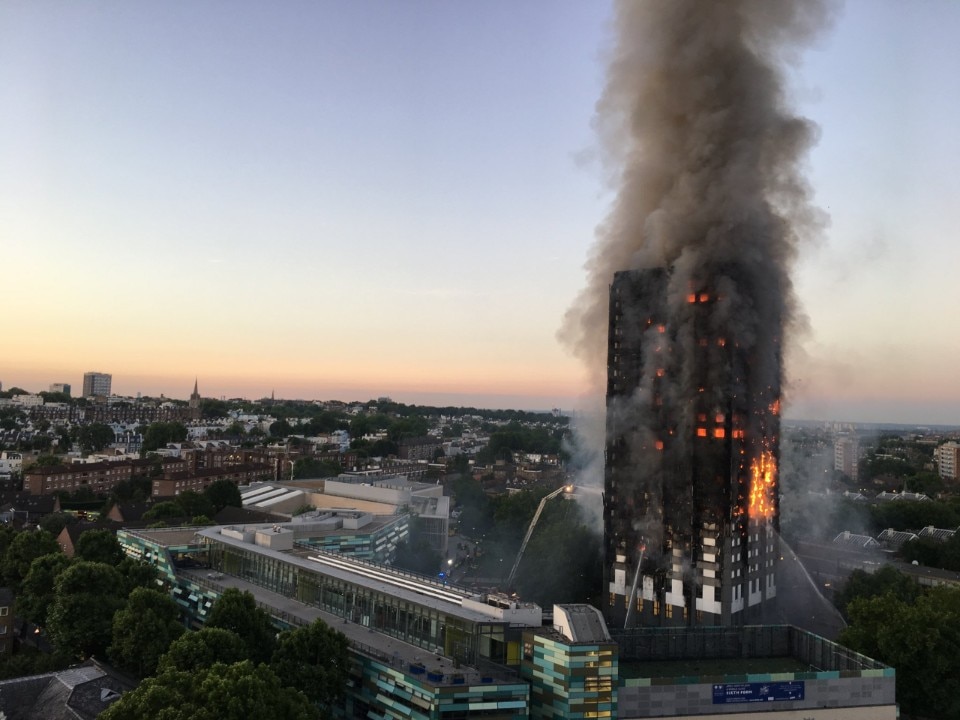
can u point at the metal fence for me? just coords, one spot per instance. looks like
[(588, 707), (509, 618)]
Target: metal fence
[(749, 641)]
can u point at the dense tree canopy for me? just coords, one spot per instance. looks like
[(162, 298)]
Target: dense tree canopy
[(476, 509), (24, 548), (158, 434), (37, 591), (86, 596), (516, 437), (143, 631), (99, 546), (223, 692), (54, 523), (313, 659), (921, 639), (886, 580), (562, 562), (223, 493), (308, 467), (165, 509), (193, 503), (93, 437), (202, 649), (237, 612), (914, 515)]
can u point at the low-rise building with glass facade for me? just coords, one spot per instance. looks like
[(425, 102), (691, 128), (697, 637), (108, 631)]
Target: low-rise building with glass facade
[(424, 650)]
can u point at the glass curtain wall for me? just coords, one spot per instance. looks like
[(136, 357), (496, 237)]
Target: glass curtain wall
[(425, 627)]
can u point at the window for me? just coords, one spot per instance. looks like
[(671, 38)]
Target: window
[(4, 611)]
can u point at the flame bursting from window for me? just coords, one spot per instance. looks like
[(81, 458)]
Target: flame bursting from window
[(763, 480)]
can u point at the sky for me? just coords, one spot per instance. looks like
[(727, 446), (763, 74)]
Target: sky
[(346, 200)]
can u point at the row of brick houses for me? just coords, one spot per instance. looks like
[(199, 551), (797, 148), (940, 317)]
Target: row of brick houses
[(199, 480), (175, 476), (119, 413), (99, 477)]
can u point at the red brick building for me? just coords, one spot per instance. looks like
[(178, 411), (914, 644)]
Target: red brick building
[(100, 478), (172, 484)]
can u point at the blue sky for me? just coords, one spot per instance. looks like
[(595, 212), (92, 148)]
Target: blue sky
[(352, 199)]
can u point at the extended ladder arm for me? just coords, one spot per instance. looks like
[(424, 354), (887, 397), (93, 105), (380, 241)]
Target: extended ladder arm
[(533, 524)]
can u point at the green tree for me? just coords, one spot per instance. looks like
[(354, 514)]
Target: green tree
[(202, 649), (223, 493), (886, 580), (137, 488), (237, 612), (475, 507), (29, 660), (562, 562), (143, 631), (47, 461), (235, 429), (137, 573), (193, 503), (64, 441), (54, 523), (383, 448), (99, 546), (7, 535), (313, 468), (26, 547), (314, 660), (86, 596), (165, 509), (212, 409), (281, 428), (408, 427), (921, 640), (94, 437), (37, 591), (158, 434), (513, 512), (223, 692)]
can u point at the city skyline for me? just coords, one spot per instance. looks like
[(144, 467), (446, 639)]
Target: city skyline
[(344, 201)]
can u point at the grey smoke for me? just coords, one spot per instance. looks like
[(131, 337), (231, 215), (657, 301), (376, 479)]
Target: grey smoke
[(705, 155)]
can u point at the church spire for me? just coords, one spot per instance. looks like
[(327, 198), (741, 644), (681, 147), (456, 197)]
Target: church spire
[(195, 396)]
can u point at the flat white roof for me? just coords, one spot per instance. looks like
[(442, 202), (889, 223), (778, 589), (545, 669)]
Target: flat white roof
[(417, 590), (270, 501)]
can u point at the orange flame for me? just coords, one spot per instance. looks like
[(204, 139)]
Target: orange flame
[(763, 480)]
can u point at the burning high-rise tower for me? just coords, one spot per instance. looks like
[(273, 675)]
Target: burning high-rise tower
[(690, 491), (689, 293)]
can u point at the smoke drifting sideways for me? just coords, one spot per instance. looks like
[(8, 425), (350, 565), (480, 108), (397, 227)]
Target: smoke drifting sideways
[(705, 157)]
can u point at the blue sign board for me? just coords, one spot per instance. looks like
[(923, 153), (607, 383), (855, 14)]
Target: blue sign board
[(757, 692)]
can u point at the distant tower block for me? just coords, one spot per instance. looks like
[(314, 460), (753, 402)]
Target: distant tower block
[(97, 384), (846, 455), (691, 502)]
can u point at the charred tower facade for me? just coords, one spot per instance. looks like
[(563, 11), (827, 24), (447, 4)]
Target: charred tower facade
[(690, 490)]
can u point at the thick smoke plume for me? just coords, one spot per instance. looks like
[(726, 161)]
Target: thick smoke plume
[(705, 155), (711, 208)]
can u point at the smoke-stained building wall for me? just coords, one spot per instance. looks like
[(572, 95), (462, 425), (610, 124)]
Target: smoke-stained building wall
[(690, 499)]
